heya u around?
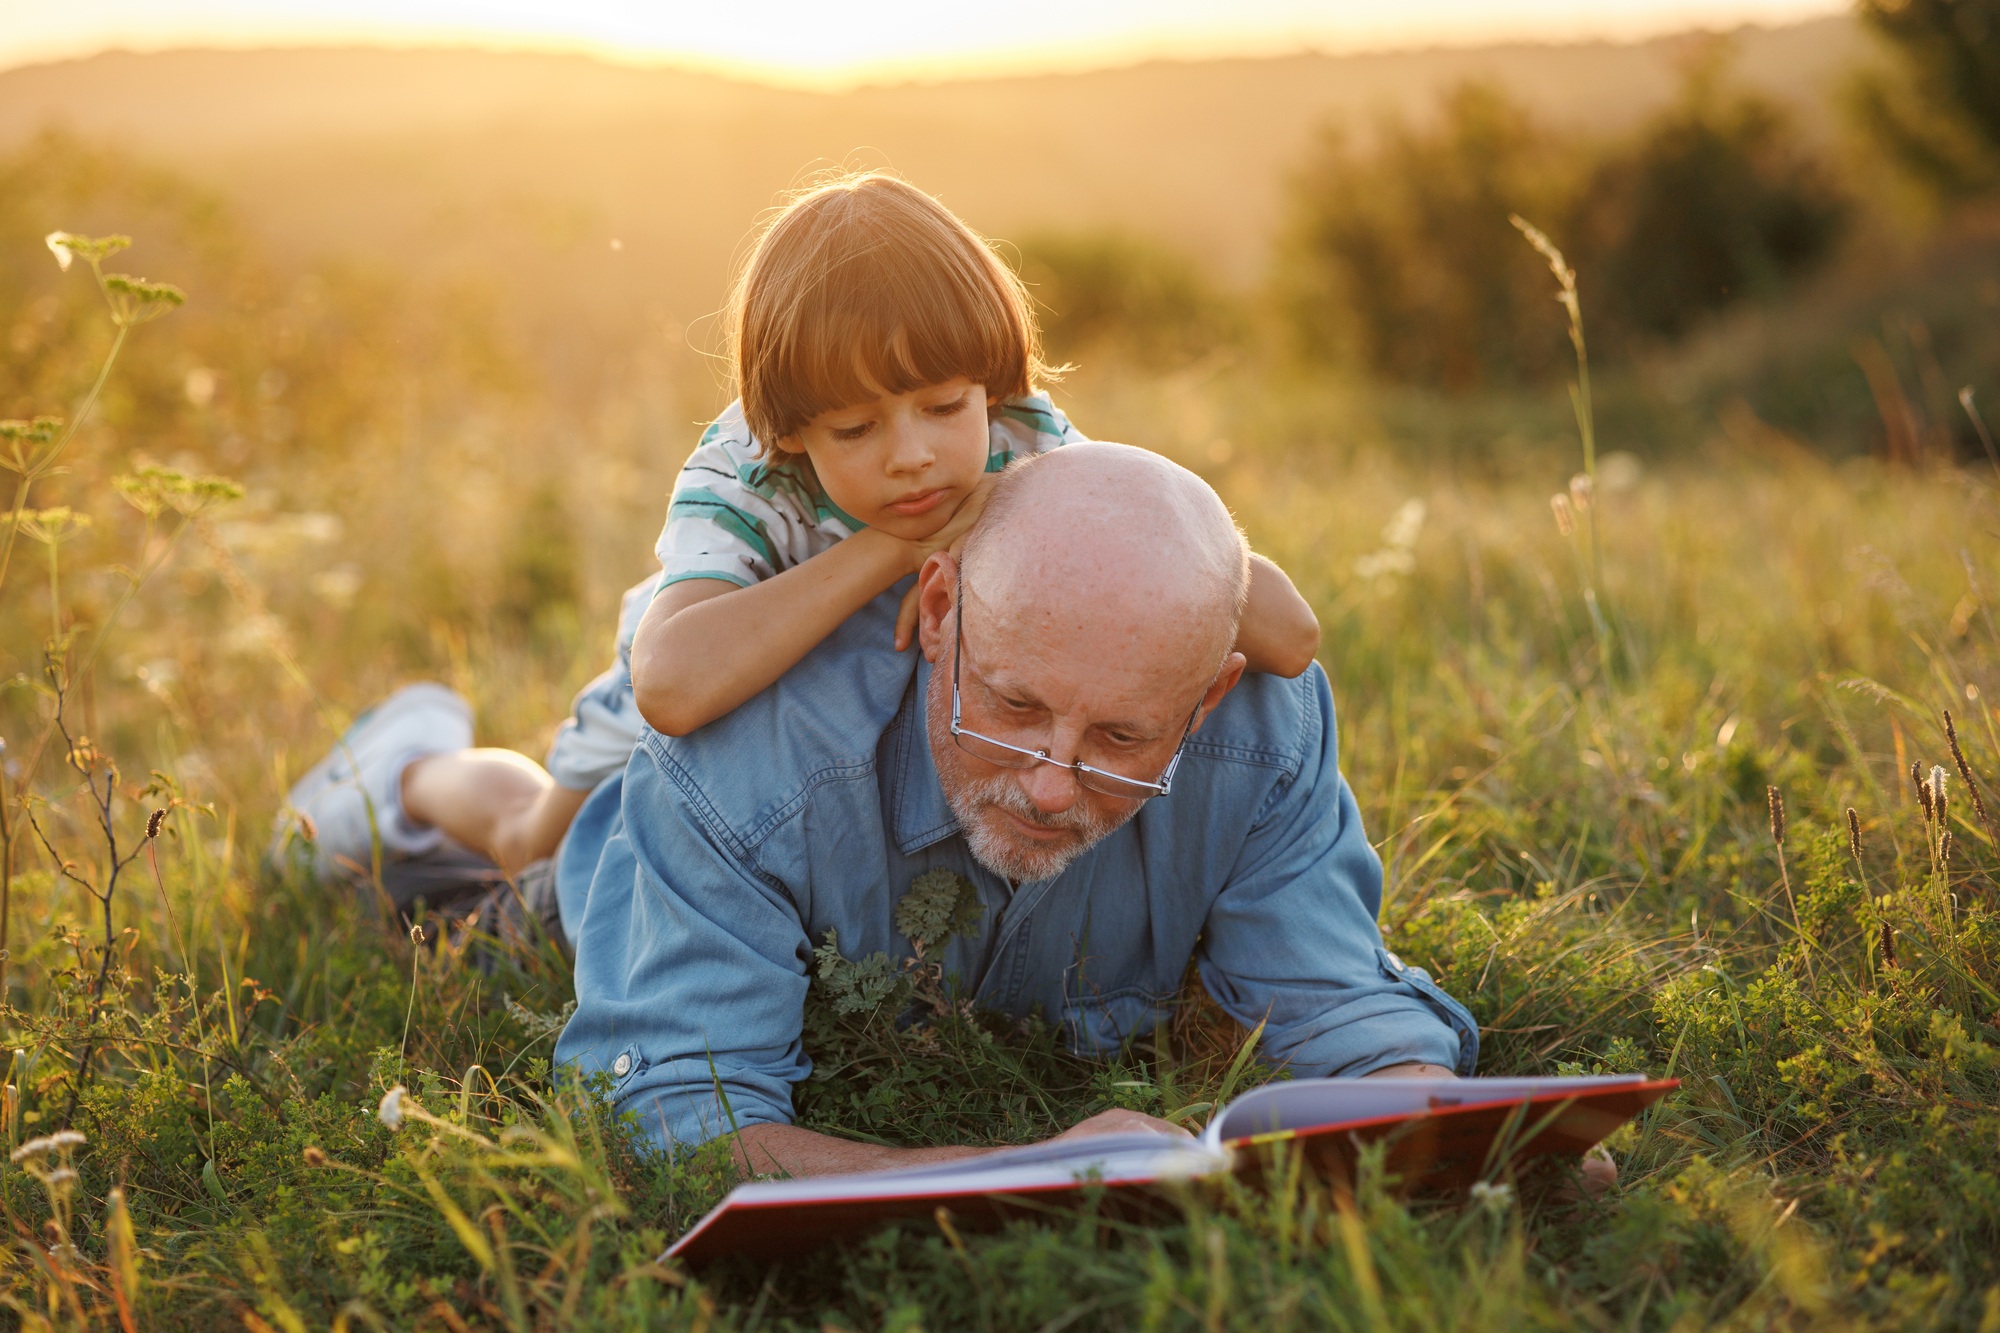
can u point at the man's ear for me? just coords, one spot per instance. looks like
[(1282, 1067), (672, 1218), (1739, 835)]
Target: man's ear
[(937, 592), (1225, 681)]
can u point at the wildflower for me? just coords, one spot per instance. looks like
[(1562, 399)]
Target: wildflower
[(314, 1157), (1938, 803), (32, 1148), (1923, 789), (1854, 835), (58, 243), (1580, 489), (1777, 801), (63, 1178), (1494, 1197), (153, 822), (67, 1138), (390, 1112), (1565, 514)]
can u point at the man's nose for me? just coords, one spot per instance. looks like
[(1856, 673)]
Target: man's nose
[(1052, 788)]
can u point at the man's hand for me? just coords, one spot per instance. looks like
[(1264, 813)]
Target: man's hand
[(1122, 1122), (945, 538)]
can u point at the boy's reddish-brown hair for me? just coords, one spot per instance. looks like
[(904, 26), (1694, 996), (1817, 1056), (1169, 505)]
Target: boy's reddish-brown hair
[(864, 285)]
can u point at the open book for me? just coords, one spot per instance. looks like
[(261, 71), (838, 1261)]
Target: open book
[(1441, 1133)]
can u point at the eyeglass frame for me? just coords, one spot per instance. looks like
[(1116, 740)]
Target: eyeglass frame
[(1159, 787)]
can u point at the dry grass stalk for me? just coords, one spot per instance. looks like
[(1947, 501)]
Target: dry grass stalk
[(1979, 809), (1923, 789), (1854, 836), (1776, 800)]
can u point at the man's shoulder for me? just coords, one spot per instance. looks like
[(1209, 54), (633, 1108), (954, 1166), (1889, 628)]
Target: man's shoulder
[(822, 720), (1269, 721)]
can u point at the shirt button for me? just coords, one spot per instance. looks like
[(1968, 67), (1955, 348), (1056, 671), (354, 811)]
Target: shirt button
[(622, 1066), (1394, 962)]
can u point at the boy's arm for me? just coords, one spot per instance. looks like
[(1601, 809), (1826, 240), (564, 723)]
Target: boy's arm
[(706, 646), (1279, 633), (699, 653)]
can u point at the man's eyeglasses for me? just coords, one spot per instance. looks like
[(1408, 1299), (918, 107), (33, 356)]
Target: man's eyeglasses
[(1004, 755)]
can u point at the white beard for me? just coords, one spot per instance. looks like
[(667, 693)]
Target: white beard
[(977, 803)]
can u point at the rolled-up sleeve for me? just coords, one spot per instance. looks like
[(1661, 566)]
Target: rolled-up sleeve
[(1292, 941), (691, 966)]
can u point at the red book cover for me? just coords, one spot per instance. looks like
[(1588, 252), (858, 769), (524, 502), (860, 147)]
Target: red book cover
[(1441, 1134)]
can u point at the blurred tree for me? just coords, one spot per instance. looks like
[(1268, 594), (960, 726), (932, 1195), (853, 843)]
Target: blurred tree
[(1404, 260), (1715, 200), (1113, 290), (1941, 122)]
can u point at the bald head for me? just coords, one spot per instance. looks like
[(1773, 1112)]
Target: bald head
[(1090, 621), (1115, 545)]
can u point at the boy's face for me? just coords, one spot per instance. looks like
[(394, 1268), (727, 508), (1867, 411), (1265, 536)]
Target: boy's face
[(905, 461)]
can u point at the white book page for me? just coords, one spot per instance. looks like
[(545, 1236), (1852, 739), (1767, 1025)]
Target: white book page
[(1108, 1157), (1312, 1102)]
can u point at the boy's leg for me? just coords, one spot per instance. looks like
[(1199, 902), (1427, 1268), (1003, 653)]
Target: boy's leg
[(494, 801), (351, 798)]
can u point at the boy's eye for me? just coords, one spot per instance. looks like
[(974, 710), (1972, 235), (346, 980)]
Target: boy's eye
[(852, 432), (953, 407)]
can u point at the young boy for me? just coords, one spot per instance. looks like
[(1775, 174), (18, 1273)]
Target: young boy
[(887, 361)]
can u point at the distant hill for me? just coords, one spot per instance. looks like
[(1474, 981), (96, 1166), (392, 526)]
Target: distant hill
[(535, 164)]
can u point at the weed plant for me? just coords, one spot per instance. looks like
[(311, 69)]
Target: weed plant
[(1752, 847)]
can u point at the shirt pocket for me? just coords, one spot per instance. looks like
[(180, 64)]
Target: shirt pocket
[(1454, 1013), (1099, 1025)]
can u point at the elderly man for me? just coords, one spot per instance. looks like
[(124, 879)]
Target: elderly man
[(1079, 741)]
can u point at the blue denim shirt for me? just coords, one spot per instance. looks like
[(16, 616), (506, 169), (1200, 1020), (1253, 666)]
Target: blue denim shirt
[(696, 886)]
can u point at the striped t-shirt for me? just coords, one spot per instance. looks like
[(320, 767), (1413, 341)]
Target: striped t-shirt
[(743, 514)]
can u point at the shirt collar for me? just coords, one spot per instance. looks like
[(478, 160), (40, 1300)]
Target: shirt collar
[(920, 816)]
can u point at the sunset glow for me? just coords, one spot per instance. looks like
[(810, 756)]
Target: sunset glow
[(810, 42)]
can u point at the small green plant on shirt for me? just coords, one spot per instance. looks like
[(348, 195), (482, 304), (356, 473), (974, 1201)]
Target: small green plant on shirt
[(940, 905)]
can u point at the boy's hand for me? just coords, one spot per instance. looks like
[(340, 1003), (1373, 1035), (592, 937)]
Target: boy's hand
[(955, 527), (945, 538)]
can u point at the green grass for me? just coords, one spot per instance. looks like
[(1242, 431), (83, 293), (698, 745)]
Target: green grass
[(1578, 838)]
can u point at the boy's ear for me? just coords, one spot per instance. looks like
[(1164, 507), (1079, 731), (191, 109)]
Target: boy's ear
[(937, 585), (792, 444)]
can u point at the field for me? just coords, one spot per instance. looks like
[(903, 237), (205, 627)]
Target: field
[(1687, 768)]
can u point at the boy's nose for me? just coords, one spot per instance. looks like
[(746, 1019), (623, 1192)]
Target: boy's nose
[(909, 450)]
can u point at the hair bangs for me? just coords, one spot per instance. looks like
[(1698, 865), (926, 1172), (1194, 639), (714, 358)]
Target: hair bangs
[(870, 287)]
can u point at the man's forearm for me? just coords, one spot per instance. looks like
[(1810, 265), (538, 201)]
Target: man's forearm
[(763, 1150)]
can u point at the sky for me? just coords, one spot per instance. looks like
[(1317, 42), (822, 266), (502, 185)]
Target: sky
[(841, 42)]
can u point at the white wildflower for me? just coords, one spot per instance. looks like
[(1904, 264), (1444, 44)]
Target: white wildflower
[(1404, 527), (67, 1138), (390, 1112), (58, 243), (1399, 540), (1495, 1197), (32, 1148), (1580, 488)]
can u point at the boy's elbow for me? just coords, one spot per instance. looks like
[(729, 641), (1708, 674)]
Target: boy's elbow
[(666, 711), (1298, 649)]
